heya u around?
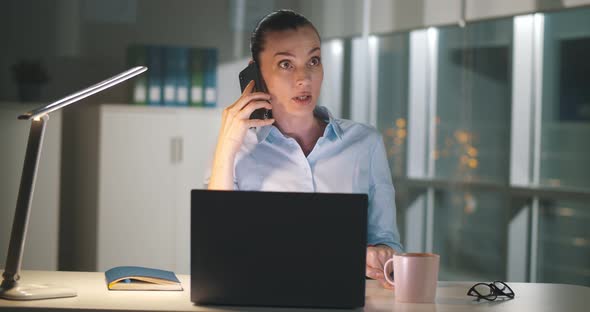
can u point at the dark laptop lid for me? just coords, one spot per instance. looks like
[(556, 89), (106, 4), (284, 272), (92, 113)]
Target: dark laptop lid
[(278, 249)]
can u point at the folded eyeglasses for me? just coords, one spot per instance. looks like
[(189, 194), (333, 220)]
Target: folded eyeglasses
[(491, 291)]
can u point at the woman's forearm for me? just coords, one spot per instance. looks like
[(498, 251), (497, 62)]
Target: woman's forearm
[(222, 172), (235, 123)]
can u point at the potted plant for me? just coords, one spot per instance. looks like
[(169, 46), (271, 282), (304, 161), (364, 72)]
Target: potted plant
[(30, 76)]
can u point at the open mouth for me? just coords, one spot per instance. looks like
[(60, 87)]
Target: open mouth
[(304, 99)]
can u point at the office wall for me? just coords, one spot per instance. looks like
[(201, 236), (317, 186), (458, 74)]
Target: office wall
[(29, 35), (80, 45), (343, 18), (81, 42)]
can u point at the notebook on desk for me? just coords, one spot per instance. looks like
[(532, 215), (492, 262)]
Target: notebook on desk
[(141, 278), (278, 249)]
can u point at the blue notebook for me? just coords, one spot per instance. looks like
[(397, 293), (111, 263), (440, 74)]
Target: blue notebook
[(141, 278)]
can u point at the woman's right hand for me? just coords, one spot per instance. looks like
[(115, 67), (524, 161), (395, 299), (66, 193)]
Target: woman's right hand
[(235, 123)]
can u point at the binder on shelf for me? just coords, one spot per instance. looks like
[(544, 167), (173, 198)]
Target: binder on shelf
[(155, 76), (177, 76), (196, 82), (210, 78), (182, 77), (137, 56), (170, 61)]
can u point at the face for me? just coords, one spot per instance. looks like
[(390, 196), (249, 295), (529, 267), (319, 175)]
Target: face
[(292, 69)]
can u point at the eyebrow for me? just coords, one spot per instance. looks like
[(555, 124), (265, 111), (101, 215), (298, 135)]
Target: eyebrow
[(290, 54)]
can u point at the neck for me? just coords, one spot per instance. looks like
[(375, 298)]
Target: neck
[(306, 130)]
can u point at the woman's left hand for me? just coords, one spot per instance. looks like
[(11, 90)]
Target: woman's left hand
[(376, 257)]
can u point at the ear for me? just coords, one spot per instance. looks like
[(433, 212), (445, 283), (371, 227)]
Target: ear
[(251, 61)]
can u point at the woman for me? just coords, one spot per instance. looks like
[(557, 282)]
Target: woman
[(303, 148)]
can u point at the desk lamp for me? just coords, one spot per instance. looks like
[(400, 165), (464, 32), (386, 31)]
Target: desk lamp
[(10, 287)]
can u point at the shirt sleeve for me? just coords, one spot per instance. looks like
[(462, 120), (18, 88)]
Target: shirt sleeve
[(382, 220)]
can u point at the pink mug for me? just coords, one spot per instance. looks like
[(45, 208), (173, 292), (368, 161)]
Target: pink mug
[(415, 276)]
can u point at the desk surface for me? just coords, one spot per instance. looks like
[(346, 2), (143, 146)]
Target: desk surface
[(451, 296)]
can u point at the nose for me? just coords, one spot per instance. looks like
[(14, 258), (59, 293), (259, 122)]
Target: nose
[(303, 77)]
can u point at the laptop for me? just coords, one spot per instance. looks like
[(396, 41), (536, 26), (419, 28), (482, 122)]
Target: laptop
[(278, 249)]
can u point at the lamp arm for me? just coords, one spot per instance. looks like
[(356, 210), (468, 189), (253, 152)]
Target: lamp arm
[(38, 119), (23, 203), (75, 97)]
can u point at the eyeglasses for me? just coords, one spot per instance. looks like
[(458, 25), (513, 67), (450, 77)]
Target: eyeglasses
[(491, 291)]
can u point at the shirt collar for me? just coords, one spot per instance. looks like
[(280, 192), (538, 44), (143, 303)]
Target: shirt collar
[(333, 125), (321, 112)]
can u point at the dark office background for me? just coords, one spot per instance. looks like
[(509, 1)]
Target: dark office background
[(487, 135)]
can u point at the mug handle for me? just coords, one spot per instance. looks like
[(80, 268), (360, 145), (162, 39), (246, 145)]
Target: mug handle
[(390, 281)]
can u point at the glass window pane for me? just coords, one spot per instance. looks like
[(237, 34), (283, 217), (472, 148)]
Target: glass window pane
[(470, 235), (392, 97), (333, 63), (392, 111), (474, 102), (566, 100), (564, 242)]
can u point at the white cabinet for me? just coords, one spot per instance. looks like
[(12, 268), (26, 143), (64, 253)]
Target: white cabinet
[(41, 248), (148, 160)]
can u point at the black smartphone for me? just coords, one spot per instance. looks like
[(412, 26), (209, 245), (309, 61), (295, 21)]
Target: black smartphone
[(251, 72)]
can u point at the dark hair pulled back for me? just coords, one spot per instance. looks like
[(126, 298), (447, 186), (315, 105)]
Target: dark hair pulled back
[(276, 21)]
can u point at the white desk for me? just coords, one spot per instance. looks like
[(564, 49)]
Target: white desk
[(451, 296)]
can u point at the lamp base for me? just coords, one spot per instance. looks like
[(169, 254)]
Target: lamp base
[(36, 292)]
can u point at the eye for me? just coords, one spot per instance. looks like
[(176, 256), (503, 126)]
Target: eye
[(315, 61), (284, 64)]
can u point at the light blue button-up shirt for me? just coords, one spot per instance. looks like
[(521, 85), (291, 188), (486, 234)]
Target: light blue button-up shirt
[(349, 158)]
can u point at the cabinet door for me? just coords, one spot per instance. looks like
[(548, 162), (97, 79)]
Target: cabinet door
[(199, 130), (137, 188)]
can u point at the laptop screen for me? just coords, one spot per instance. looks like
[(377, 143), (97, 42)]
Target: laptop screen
[(278, 249)]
